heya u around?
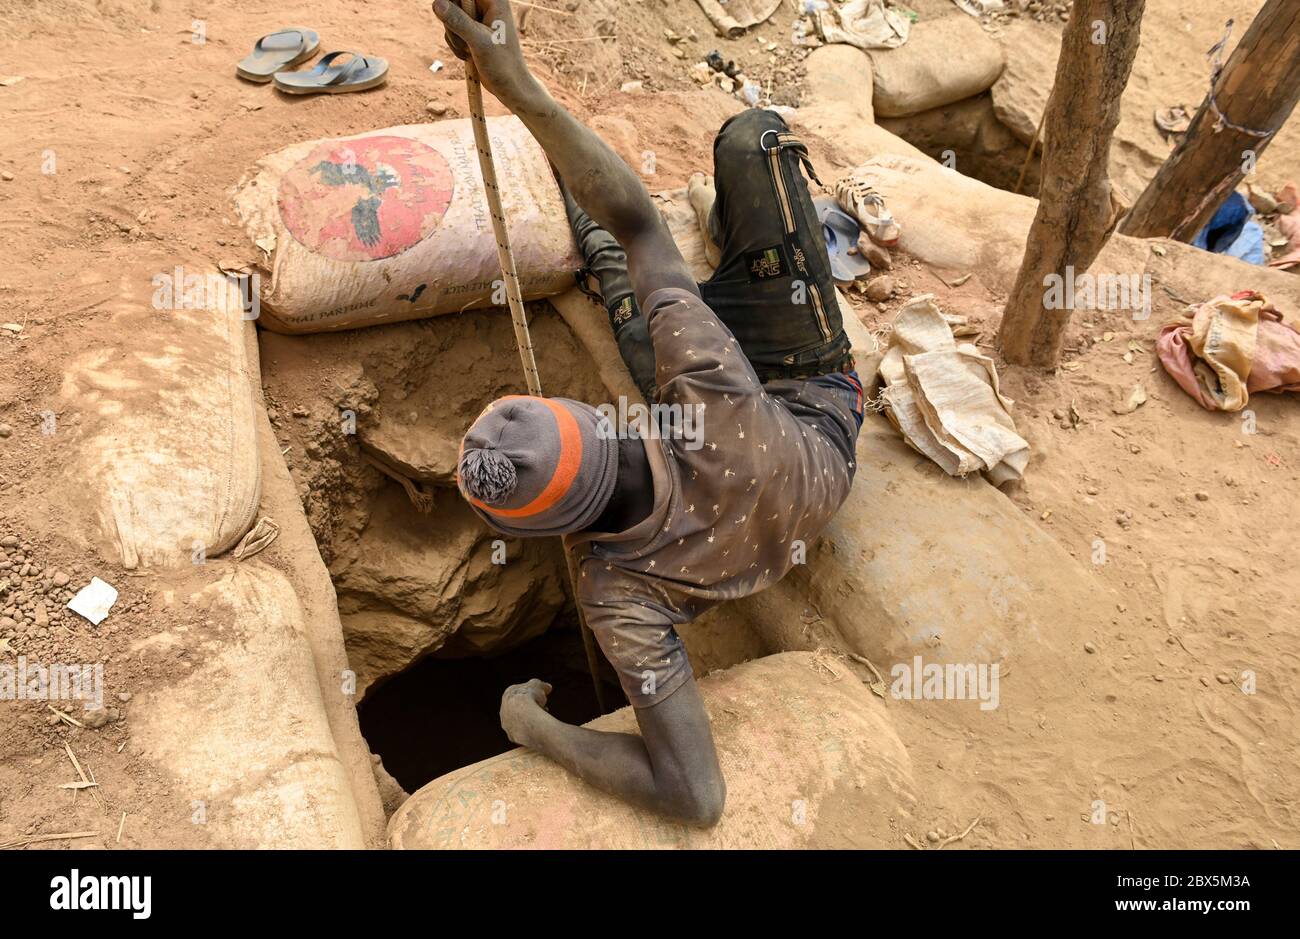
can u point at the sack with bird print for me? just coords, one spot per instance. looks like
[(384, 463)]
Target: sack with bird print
[(393, 225)]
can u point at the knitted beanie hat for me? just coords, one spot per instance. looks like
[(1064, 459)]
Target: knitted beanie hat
[(538, 466)]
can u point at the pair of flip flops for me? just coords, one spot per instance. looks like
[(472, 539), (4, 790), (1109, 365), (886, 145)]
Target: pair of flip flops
[(276, 52)]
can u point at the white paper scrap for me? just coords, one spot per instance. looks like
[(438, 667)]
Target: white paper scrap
[(94, 600)]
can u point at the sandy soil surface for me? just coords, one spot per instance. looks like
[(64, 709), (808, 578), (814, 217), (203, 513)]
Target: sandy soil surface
[(125, 136)]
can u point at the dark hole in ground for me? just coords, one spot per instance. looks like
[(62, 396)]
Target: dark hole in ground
[(968, 137), (442, 714)]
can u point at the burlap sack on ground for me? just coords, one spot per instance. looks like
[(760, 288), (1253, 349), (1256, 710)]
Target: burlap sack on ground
[(238, 716), (393, 225), (867, 24), (170, 445), (734, 17), (809, 754), (944, 397), (244, 736), (944, 60), (1234, 346)]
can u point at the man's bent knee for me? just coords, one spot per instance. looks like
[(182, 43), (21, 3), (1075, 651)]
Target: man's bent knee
[(740, 140), (749, 125), (701, 803)]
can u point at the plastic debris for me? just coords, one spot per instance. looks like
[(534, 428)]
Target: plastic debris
[(94, 600), (867, 24)]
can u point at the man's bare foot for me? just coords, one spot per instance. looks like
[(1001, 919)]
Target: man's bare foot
[(520, 707), (701, 193)]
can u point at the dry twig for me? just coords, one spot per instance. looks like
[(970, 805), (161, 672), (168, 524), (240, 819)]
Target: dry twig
[(65, 717), (951, 839), (39, 839)]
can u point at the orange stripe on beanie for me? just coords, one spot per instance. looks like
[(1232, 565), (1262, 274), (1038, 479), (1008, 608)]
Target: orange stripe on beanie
[(566, 470), (532, 466)]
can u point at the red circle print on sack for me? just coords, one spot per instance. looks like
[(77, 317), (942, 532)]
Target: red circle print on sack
[(362, 200)]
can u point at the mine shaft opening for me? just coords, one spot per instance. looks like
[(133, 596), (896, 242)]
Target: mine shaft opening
[(968, 136), (441, 714), (439, 613)]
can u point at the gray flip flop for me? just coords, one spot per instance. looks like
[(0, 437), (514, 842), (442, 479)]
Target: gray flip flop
[(276, 51), (357, 74), (841, 232)]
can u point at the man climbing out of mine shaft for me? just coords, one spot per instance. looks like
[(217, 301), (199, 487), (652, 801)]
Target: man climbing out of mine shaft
[(665, 528)]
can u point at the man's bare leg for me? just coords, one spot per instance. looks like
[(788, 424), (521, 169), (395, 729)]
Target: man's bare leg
[(671, 768)]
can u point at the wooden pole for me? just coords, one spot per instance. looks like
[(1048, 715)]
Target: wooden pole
[(1075, 207), (523, 339), (1029, 156), (1249, 100)]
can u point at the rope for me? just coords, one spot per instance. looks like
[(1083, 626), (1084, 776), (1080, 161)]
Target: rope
[(505, 256), (1228, 183), (1221, 119), (514, 296)]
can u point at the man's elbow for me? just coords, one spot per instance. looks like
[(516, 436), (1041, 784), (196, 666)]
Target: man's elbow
[(701, 804), (617, 201)]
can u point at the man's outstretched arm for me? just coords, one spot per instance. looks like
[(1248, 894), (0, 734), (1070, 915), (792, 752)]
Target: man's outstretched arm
[(597, 178)]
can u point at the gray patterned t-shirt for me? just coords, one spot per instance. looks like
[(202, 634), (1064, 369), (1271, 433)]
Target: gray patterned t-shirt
[(762, 472)]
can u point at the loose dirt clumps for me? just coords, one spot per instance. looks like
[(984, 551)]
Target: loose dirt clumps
[(33, 597)]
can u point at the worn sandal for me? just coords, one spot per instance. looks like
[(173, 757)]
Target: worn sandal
[(1175, 120), (356, 74), (868, 207), (277, 51)]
